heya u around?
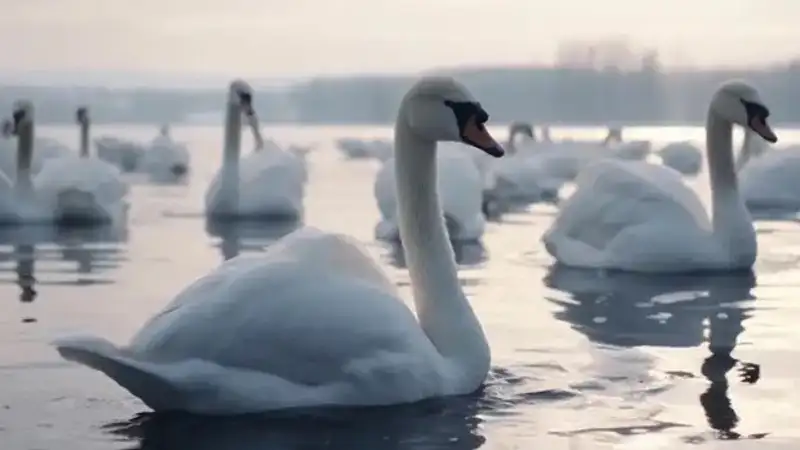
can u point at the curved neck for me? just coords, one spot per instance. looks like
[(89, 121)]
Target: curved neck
[(229, 174), (84, 140), (255, 127), (25, 137), (727, 205), (752, 147), (442, 308)]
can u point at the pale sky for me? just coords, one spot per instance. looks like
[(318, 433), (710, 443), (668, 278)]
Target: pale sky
[(305, 37)]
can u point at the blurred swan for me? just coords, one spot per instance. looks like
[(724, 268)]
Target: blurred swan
[(125, 154), (18, 203), (164, 158), (44, 149), (460, 193), (269, 183), (682, 156), (82, 189), (641, 217), (380, 149), (770, 179), (314, 321)]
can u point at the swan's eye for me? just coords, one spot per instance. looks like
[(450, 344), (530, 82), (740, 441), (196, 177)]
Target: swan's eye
[(755, 110)]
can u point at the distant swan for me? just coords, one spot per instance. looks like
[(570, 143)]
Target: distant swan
[(82, 189), (17, 200), (460, 193), (770, 179), (43, 149), (164, 158), (682, 156), (269, 183), (642, 217), (126, 154), (314, 321)]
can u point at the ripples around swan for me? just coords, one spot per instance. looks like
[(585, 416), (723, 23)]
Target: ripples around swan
[(582, 359)]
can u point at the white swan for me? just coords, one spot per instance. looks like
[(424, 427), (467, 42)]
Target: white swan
[(314, 321), (124, 153), (44, 149), (82, 188), (769, 179), (352, 148), (460, 193), (682, 156), (269, 183), (642, 217), (164, 158)]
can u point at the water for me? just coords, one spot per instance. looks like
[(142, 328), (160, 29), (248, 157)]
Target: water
[(582, 361)]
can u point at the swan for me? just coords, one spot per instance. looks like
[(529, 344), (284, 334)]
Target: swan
[(460, 192), (45, 148), (352, 148), (269, 183), (314, 321), (682, 156), (637, 216), (82, 189), (165, 158), (124, 153), (768, 178)]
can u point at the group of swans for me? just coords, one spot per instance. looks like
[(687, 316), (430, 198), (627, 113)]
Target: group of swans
[(69, 189), (329, 326), (642, 217), (162, 158)]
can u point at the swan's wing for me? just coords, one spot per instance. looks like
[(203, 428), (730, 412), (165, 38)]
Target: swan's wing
[(613, 195), (312, 301), (85, 174)]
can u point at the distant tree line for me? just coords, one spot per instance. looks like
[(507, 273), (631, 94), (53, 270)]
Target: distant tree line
[(592, 83)]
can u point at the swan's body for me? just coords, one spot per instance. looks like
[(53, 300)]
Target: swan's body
[(164, 158), (770, 179), (352, 148), (82, 188), (460, 192), (641, 217), (682, 156), (313, 321), (125, 154), (269, 183)]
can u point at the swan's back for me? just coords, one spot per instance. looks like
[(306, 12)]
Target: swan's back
[(91, 175), (612, 195)]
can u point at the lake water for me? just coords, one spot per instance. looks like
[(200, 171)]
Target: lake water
[(581, 360)]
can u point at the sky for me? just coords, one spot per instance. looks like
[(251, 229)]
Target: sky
[(292, 38)]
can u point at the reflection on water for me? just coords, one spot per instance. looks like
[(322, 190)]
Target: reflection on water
[(631, 310), (253, 236), (466, 254), (34, 255)]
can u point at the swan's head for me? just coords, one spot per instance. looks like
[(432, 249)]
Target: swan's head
[(21, 114), (82, 115), (441, 109), (741, 104), (241, 94)]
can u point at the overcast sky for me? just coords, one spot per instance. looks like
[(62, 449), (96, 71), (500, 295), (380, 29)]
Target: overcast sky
[(303, 37)]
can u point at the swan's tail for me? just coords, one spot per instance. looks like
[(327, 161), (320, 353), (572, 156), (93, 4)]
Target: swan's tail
[(142, 379)]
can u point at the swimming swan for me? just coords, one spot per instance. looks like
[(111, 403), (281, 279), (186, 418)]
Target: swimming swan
[(313, 321), (267, 184), (164, 158), (17, 200), (769, 177), (641, 217), (82, 189)]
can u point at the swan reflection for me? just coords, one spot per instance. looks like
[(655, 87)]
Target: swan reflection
[(89, 252), (253, 236), (631, 310), (466, 254), (443, 424)]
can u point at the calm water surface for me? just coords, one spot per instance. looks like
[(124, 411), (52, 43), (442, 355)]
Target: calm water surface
[(582, 360)]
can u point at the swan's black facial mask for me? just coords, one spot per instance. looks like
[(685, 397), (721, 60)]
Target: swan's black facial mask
[(757, 120), (246, 100), (471, 118)]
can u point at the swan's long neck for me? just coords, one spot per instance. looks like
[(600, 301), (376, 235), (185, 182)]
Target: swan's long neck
[(229, 174), (23, 182), (442, 308), (84, 143), (729, 214)]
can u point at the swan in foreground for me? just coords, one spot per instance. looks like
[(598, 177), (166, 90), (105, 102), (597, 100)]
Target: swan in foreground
[(314, 321), (269, 183), (641, 217), (682, 156), (82, 188), (460, 191), (770, 179), (164, 158)]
